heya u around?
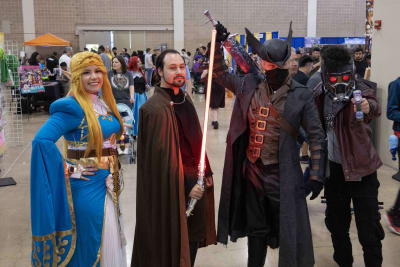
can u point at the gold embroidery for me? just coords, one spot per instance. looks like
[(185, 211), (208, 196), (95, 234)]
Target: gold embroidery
[(106, 162), (72, 232), (49, 250), (59, 244), (99, 253), (35, 258)]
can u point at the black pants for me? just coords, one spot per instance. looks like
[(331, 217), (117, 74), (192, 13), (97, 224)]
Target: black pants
[(193, 246), (262, 210), (364, 195)]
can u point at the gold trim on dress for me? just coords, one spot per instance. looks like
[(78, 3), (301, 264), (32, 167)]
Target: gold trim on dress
[(71, 210), (58, 242), (100, 252)]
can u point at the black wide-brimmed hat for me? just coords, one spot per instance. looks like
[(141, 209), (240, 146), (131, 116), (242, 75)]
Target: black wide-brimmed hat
[(276, 51)]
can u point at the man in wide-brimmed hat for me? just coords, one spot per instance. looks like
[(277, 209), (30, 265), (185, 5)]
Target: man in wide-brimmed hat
[(263, 192)]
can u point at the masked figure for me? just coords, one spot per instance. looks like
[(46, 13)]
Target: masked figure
[(263, 191), (353, 160)]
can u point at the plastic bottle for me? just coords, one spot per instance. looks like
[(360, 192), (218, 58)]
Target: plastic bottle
[(358, 99)]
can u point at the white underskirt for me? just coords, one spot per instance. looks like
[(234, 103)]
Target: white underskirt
[(114, 242)]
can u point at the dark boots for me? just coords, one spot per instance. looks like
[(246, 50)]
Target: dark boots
[(257, 250), (215, 124)]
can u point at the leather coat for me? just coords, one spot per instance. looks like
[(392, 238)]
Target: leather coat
[(358, 155)]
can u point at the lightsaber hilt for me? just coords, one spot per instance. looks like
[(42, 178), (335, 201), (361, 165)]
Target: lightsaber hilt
[(192, 201), (208, 15)]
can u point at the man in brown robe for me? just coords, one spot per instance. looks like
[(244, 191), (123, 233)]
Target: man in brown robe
[(169, 143)]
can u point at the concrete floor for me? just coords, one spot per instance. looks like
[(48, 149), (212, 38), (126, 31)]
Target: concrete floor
[(15, 235)]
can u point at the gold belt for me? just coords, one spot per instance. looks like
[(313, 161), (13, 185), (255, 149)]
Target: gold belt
[(106, 162)]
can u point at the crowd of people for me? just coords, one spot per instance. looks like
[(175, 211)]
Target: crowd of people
[(299, 101)]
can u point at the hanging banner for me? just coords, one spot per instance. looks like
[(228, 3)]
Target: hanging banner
[(369, 26), (30, 78)]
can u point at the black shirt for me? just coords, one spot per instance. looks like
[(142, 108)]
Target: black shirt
[(301, 77), (361, 66)]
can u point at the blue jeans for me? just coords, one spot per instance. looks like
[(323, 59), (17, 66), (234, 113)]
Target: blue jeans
[(149, 74)]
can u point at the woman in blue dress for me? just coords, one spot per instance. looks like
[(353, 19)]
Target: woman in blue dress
[(75, 196), (135, 66)]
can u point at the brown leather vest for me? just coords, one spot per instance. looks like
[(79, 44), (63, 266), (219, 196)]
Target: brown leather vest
[(264, 127)]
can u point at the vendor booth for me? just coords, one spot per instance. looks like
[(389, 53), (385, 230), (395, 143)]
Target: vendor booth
[(40, 91)]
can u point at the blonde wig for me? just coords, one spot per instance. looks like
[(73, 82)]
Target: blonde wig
[(79, 62)]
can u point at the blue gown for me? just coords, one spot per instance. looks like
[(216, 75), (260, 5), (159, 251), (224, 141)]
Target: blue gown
[(67, 214)]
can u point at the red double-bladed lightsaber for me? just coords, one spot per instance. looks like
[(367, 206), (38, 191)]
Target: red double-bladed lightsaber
[(202, 164)]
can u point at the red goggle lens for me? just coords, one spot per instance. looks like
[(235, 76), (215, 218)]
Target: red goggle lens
[(333, 79), (346, 78)]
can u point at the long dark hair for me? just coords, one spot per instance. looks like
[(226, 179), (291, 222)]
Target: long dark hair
[(32, 60), (123, 64)]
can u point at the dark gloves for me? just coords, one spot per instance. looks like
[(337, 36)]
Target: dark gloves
[(314, 187), (222, 32)]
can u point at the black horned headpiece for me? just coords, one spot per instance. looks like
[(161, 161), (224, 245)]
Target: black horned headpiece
[(276, 51)]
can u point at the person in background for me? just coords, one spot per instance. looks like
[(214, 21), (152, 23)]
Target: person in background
[(51, 64), (105, 58), (121, 81), (135, 66), (359, 62), (148, 66), (108, 52), (126, 55), (64, 78), (66, 57), (302, 76), (185, 56), (156, 53), (115, 51), (190, 60), (293, 63), (140, 54), (42, 63), (392, 216), (305, 68), (298, 54), (34, 60), (203, 50), (315, 54), (188, 84)]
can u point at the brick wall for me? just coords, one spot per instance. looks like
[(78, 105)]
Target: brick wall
[(155, 38), (60, 17), (341, 18), (11, 11)]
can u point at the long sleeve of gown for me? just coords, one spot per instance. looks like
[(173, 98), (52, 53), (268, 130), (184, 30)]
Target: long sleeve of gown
[(52, 216)]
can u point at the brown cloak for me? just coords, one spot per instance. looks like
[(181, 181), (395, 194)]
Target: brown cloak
[(161, 234)]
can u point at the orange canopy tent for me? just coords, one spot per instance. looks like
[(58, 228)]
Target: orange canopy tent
[(47, 39)]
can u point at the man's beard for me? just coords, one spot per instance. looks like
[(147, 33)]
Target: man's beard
[(175, 82)]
